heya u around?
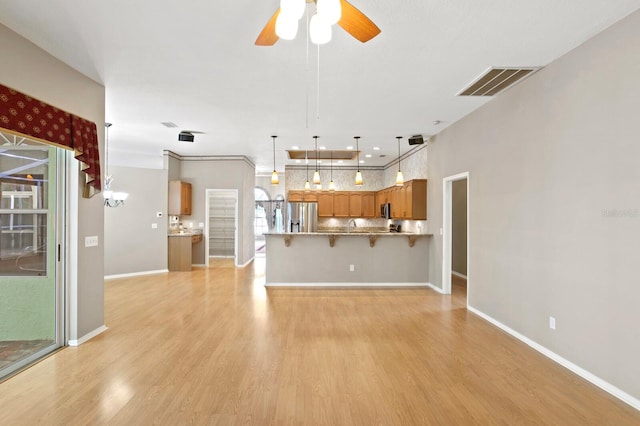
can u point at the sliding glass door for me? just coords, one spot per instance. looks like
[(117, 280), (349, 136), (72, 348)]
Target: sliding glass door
[(30, 297)]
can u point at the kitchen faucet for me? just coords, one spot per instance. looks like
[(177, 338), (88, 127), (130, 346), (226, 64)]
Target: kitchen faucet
[(349, 225)]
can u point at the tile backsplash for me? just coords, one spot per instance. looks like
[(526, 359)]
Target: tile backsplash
[(417, 226)]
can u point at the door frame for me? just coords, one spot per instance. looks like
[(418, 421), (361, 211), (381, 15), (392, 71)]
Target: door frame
[(447, 230), (206, 224)]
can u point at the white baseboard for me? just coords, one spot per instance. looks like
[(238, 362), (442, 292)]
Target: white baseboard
[(245, 264), (136, 274), (88, 336), (458, 274), (433, 287), (602, 384), (347, 285)]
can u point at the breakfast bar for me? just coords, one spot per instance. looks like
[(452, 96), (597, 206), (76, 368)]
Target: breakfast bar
[(347, 259)]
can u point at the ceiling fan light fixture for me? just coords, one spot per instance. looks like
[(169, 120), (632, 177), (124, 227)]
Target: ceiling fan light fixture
[(286, 26), (319, 30), (294, 8), (330, 10)]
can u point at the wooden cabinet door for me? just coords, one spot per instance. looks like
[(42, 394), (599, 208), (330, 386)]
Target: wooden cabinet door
[(325, 204), (179, 198), (310, 196), (396, 201), (355, 204), (418, 199), (185, 198), (295, 196), (369, 206), (341, 204), (408, 200)]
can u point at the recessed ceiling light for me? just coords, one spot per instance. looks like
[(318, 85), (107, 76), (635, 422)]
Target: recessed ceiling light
[(376, 148), (361, 161), (323, 147), (368, 155), (296, 147), (349, 147)]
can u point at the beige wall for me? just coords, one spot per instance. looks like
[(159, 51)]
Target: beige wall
[(222, 173), (131, 244), (31, 70), (459, 227), (554, 208)]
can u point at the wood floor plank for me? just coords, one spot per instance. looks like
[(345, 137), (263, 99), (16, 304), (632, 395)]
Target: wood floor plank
[(213, 346)]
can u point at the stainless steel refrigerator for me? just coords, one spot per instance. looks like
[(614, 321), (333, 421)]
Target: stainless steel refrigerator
[(302, 217)]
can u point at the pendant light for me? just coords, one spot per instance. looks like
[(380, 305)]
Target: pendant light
[(332, 186), (399, 178), (316, 174), (274, 175), (307, 185), (359, 181), (111, 198)]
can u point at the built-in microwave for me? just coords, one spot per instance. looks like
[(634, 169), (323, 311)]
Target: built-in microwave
[(385, 211)]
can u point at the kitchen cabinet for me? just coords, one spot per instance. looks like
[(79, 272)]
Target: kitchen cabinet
[(179, 198), (296, 196), (325, 204), (341, 204), (180, 253), (415, 196), (362, 204)]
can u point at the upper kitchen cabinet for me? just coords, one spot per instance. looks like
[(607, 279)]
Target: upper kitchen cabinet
[(297, 196), (179, 198), (362, 204), (325, 204), (341, 204), (415, 199)]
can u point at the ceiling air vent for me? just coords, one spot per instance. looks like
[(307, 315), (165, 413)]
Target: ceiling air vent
[(495, 80), (168, 124)]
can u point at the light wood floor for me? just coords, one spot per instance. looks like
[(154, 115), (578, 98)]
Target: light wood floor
[(214, 347)]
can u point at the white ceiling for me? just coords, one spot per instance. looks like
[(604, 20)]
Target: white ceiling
[(194, 63)]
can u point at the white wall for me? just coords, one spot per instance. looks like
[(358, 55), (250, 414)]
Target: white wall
[(554, 204), (31, 70)]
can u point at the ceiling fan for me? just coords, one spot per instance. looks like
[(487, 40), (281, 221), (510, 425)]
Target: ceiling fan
[(352, 21)]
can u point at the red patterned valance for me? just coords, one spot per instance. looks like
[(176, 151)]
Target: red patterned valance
[(35, 119)]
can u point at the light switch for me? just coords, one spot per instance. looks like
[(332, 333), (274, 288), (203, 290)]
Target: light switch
[(91, 241)]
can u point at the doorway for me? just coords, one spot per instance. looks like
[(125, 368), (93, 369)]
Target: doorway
[(455, 234), (221, 227), (31, 234)]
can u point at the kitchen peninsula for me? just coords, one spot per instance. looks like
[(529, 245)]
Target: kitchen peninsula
[(347, 259)]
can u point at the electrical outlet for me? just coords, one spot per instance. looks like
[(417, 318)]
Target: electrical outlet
[(552, 323), (154, 226), (352, 268), (91, 241)]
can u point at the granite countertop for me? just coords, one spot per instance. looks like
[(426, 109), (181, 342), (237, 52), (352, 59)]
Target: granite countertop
[(352, 233), (185, 233)]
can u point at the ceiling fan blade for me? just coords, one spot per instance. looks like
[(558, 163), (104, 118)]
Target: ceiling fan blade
[(356, 23), (268, 36)]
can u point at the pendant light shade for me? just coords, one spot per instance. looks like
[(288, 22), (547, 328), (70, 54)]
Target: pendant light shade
[(329, 11), (286, 26), (274, 175), (316, 174), (319, 30), (399, 177), (359, 181)]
